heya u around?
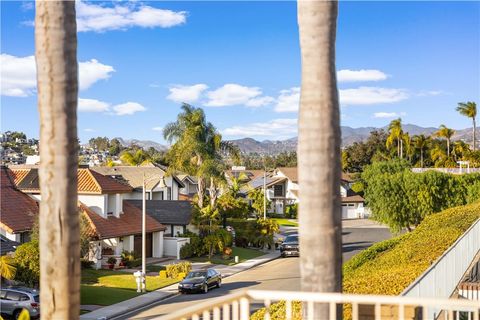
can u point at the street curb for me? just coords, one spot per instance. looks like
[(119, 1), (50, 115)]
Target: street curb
[(123, 311)]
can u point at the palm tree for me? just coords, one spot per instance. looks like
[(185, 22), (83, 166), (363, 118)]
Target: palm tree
[(409, 148), (469, 109), (135, 158), (395, 135), (446, 133), (7, 267), (57, 85), (421, 142), (319, 152)]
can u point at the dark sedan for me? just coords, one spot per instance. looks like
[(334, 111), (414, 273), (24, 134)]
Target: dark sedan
[(289, 247), (200, 281)]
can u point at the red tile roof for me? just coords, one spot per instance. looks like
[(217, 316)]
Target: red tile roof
[(354, 198), (89, 181), (17, 210), (129, 222)]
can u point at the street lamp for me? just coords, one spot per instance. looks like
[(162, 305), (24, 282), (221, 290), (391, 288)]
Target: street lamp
[(144, 223)]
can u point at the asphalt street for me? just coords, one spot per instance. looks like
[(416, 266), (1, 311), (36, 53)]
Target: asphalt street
[(279, 274)]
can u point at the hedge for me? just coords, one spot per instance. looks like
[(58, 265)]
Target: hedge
[(388, 267)]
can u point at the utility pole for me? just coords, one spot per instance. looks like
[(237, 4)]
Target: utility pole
[(144, 251)]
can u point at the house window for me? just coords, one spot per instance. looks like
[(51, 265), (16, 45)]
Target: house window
[(278, 190)]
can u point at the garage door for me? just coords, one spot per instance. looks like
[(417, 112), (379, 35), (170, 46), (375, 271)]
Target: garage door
[(349, 211)]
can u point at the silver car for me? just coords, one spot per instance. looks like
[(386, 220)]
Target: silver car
[(14, 299)]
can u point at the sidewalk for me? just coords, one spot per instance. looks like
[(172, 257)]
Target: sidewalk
[(143, 300)]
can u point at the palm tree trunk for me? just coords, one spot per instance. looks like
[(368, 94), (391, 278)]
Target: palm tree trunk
[(448, 148), (474, 134), (56, 57), (319, 152), (421, 157)]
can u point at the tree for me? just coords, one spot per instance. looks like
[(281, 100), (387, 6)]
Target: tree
[(57, 86), (319, 148), (420, 143), (115, 147), (99, 143), (446, 133), (395, 135), (135, 158), (256, 196), (197, 150), (469, 109), (356, 156), (27, 259), (7, 267)]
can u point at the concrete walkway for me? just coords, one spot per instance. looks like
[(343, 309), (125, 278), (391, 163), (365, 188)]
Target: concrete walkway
[(163, 293)]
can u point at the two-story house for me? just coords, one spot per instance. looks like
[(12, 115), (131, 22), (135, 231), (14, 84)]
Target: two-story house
[(282, 190), (115, 224)]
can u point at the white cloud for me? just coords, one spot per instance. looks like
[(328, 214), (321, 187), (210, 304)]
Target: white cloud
[(157, 128), (98, 18), (89, 130), (93, 71), (360, 75), (127, 108), (288, 100), (388, 114), (92, 105), (232, 94), (371, 95), (277, 128), (260, 101), (426, 93), (181, 93), (18, 74)]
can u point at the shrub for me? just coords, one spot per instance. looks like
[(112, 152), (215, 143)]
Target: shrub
[(128, 256), (162, 274), (27, 259), (134, 263), (186, 251), (181, 275), (196, 244), (291, 211), (278, 310), (111, 260), (173, 270), (86, 264)]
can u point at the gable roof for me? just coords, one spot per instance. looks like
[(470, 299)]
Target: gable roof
[(17, 210), (134, 175), (129, 222), (167, 211), (7, 245), (292, 174), (89, 181)]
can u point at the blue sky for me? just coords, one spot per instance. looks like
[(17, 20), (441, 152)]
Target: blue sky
[(240, 62)]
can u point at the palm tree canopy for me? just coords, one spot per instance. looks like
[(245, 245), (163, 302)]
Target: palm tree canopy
[(445, 132), (7, 267), (468, 109), (421, 141)]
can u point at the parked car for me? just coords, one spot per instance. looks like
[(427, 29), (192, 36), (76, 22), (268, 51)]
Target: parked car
[(290, 247), (200, 281), (14, 299)]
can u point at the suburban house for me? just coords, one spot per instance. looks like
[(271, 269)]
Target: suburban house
[(114, 223), (7, 246), (282, 190), (159, 185), (174, 215), (190, 187)]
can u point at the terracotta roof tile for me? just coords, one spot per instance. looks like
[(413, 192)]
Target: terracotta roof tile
[(17, 210), (129, 222), (18, 174), (354, 198)]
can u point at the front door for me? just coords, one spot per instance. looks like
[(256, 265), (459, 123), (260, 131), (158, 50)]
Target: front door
[(137, 245)]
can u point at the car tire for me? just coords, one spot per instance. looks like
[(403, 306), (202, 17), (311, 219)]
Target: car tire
[(205, 288), (219, 283)]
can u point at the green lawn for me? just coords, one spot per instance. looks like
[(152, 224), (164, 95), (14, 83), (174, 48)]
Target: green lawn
[(105, 287), (242, 253), (286, 222)]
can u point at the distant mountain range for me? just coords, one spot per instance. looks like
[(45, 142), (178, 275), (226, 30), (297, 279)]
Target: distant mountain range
[(349, 136), (145, 144)]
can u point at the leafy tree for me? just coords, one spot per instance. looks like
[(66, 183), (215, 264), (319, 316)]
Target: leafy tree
[(469, 109), (27, 150), (256, 196), (266, 228), (99, 143), (115, 147), (7, 267), (18, 135), (356, 156), (27, 259)]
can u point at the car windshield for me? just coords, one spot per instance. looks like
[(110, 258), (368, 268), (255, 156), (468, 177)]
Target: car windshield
[(291, 239), (196, 274), (36, 298)]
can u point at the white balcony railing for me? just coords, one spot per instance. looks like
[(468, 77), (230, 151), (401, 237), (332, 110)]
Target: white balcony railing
[(239, 306)]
